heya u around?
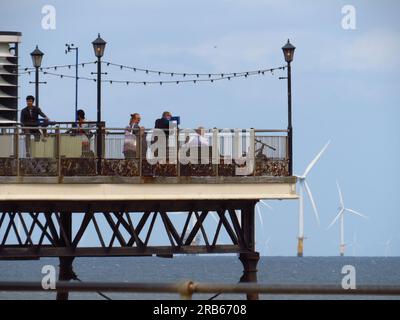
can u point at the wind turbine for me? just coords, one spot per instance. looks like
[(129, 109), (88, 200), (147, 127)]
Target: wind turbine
[(354, 244), (387, 245), (340, 215), (267, 205), (267, 246), (304, 185)]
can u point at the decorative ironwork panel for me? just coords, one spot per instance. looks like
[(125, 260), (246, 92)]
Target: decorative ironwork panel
[(198, 170), (163, 170), (78, 166), (8, 167), (38, 167), (120, 167), (270, 167)]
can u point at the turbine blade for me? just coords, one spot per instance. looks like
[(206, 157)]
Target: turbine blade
[(267, 205), (336, 218), (357, 213), (340, 194), (314, 161), (260, 216), (312, 202)]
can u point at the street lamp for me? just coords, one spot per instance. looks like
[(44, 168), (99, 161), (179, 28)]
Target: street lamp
[(99, 45), (71, 47), (37, 57), (288, 52)]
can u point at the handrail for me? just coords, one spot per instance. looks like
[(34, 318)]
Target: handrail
[(187, 288), (56, 125), (269, 155)]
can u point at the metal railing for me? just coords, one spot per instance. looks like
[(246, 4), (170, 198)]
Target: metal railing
[(63, 150), (187, 289)]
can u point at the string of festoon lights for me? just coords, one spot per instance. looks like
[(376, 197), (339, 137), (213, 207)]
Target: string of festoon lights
[(55, 67), (211, 77), (184, 74)]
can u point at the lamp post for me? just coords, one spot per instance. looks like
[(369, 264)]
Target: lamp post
[(99, 45), (71, 47), (37, 57), (288, 52)]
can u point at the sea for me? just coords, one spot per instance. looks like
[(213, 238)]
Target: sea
[(204, 268)]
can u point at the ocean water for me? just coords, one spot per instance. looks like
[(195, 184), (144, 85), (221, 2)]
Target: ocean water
[(226, 269)]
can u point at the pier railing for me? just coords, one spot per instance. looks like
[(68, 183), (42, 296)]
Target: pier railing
[(188, 288), (64, 150)]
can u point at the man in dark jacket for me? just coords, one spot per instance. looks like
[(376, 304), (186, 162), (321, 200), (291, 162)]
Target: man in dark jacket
[(30, 118), (163, 122), (30, 114)]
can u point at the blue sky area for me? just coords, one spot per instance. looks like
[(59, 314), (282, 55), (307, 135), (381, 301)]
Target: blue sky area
[(345, 89)]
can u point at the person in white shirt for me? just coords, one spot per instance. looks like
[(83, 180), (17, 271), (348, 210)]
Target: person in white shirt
[(198, 139)]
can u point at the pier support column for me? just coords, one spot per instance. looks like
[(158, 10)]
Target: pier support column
[(66, 274), (250, 261), (66, 270), (250, 258)]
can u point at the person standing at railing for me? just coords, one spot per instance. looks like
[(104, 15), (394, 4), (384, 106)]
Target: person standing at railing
[(84, 131), (198, 139), (163, 124), (30, 118), (133, 134)]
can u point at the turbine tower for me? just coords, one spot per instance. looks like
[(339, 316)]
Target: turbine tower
[(387, 245), (267, 246), (304, 185), (340, 215), (354, 244)]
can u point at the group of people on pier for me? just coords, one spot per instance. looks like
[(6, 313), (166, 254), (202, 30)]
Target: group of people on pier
[(133, 132)]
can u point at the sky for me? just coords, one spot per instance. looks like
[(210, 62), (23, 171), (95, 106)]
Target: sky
[(345, 89)]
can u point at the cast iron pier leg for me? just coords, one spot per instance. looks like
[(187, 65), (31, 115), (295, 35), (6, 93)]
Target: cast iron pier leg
[(66, 270), (249, 259)]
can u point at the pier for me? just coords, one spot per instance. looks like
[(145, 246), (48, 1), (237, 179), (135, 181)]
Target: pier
[(51, 199)]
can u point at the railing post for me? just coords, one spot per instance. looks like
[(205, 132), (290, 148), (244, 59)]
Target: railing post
[(58, 151), (290, 150), (100, 145), (253, 141), (178, 164), (215, 150), (16, 149), (140, 151)]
